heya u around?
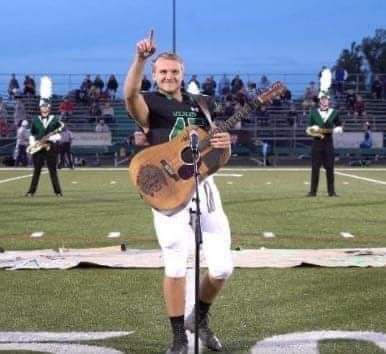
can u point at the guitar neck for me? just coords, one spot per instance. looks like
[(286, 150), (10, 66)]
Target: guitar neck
[(238, 116)]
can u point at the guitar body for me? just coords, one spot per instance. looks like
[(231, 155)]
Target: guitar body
[(164, 173)]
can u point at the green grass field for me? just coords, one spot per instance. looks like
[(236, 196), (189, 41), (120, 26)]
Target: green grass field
[(256, 304)]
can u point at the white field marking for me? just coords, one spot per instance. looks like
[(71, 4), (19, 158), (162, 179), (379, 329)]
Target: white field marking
[(251, 169), (74, 182), (189, 305), (308, 342), (268, 182), (306, 182), (113, 182), (37, 234), (346, 234), (268, 234), (18, 177), (229, 182), (114, 234), (345, 182), (361, 178), (57, 343)]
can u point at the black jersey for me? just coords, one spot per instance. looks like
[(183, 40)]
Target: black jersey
[(168, 117)]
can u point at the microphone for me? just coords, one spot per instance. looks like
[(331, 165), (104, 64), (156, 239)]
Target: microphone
[(194, 141)]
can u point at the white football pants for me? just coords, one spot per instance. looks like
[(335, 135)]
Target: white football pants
[(176, 236)]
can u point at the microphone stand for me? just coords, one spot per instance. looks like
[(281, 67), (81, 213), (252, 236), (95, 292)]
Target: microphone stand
[(198, 241)]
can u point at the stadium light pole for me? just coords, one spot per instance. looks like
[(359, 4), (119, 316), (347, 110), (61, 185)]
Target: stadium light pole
[(174, 26)]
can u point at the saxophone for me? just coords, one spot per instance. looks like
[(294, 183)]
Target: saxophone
[(43, 142)]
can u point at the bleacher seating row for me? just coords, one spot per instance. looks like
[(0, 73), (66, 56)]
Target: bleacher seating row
[(277, 129)]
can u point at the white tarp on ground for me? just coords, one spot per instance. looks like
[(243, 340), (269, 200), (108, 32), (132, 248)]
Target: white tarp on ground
[(113, 257)]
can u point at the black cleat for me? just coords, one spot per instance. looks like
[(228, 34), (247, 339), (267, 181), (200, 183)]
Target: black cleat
[(208, 338), (333, 195), (179, 346), (311, 194), (59, 194)]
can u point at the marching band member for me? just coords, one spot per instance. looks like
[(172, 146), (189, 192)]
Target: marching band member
[(45, 130), (324, 121)]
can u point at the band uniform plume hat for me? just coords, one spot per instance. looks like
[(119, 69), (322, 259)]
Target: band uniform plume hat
[(325, 83), (45, 91)]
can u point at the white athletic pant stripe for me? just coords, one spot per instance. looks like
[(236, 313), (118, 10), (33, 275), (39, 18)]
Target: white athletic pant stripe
[(175, 235)]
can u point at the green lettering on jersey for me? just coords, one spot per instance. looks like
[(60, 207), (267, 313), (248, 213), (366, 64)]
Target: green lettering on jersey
[(180, 124), (178, 127)]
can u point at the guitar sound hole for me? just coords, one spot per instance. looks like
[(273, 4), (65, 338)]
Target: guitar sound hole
[(187, 156), (186, 171)]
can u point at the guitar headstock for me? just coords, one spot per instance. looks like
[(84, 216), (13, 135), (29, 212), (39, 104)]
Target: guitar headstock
[(276, 90)]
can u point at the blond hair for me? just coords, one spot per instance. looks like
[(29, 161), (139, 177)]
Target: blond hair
[(168, 56)]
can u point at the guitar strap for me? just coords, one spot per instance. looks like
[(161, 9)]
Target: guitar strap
[(203, 104)]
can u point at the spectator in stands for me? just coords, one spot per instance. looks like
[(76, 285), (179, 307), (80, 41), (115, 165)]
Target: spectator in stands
[(195, 80), (94, 94), (3, 109), (95, 112), (84, 89), (236, 84), (339, 77), (264, 82), (22, 139), (107, 111), (251, 90), (112, 87), (3, 128), (13, 87), (224, 86), (376, 88), (292, 116), (367, 142), (209, 86), (101, 127), (19, 113), (359, 108), (65, 154), (66, 109), (86, 83), (98, 83), (29, 86), (145, 84), (350, 101), (140, 141), (310, 97)]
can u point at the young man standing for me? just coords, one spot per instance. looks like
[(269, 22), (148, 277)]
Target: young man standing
[(45, 128), (323, 122), (162, 115)]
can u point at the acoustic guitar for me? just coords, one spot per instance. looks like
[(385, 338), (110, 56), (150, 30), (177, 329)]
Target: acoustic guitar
[(164, 173)]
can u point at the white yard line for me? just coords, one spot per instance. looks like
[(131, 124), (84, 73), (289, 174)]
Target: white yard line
[(17, 178), (372, 180)]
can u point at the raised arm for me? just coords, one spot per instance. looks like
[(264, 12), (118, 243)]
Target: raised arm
[(135, 103)]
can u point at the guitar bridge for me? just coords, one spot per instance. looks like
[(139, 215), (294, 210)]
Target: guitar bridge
[(169, 170)]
